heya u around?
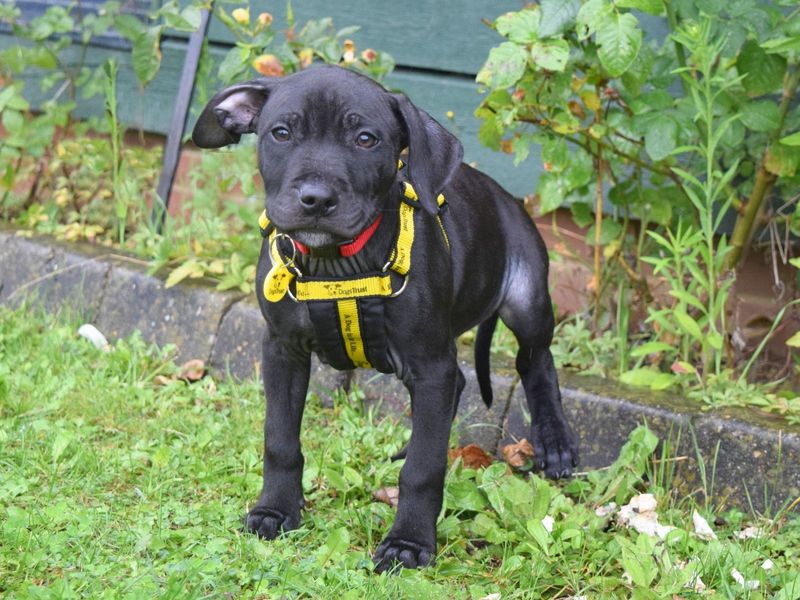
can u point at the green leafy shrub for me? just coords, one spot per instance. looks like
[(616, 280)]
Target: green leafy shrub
[(673, 135)]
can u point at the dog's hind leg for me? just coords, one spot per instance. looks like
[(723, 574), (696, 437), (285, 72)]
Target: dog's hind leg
[(529, 315)]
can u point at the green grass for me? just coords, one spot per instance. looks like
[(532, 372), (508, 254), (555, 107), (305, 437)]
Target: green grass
[(115, 486)]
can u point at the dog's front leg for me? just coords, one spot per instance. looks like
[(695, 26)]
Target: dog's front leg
[(412, 539), (285, 385)]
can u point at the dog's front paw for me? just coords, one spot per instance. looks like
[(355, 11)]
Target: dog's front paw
[(269, 523), (395, 553), (555, 450)]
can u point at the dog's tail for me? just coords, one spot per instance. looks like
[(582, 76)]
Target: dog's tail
[(483, 345)]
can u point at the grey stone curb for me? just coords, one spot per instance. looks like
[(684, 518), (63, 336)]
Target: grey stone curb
[(749, 459)]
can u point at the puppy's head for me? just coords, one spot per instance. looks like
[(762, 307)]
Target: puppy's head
[(328, 144)]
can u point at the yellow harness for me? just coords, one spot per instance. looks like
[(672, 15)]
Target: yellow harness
[(353, 306)]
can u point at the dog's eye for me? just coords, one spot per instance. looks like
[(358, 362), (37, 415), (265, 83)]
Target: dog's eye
[(281, 134), (366, 140)]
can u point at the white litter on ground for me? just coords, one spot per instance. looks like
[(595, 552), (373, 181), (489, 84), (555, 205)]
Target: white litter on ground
[(91, 333), (739, 578), (640, 514), (702, 528), (547, 523)]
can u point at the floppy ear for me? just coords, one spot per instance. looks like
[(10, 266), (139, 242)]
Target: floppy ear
[(230, 113), (434, 153)]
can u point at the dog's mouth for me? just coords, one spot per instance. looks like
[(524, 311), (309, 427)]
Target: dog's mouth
[(316, 239)]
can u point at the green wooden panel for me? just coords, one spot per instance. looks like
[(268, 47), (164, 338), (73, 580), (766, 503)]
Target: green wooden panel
[(150, 109), (445, 36)]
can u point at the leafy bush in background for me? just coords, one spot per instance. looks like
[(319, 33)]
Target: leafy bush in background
[(678, 135), (78, 180)]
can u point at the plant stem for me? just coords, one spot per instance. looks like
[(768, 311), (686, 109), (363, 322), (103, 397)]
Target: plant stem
[(598, 229), (708, 217), (116, 139), (746, 222)]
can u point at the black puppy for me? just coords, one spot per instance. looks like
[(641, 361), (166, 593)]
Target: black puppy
[(370, 262)]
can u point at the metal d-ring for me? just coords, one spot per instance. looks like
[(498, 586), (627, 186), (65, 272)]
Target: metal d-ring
[(400, 291), (290, 263), (286, 263)]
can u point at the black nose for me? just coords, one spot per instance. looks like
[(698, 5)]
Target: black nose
[(317, 199)]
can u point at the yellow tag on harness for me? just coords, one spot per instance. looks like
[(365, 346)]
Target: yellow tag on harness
[(277, 282)]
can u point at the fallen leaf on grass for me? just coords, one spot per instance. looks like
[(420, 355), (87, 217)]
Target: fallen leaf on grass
[(518, 455), (472, 456), (164, 380), (751, 584), (607, 510), (387, 495), (640, 514), (702, 528), (192, 370), (694, 583), (643, 503), (750, 532)]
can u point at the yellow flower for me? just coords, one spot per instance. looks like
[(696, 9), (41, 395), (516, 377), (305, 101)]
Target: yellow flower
[(349, 54), (241, 15), (306, 56), (269, 65)]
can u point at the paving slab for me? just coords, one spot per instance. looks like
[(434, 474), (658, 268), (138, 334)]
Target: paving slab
[(755, 466), (23, 261), (187, 316), (753, 459), (237, 345), (73, 282), (600, 420)]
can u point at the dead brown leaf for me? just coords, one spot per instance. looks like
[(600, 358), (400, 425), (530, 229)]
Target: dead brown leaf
[(163, 380), (472, 456), (518, 455), (192, 370), (387, 495)]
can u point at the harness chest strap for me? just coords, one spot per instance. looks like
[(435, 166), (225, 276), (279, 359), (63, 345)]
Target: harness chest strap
[(281, 275), (353, 307)]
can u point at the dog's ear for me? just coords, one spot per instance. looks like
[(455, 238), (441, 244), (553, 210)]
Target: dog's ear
[(230, 113), (434, 153)]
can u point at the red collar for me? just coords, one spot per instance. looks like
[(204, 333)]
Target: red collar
[(350, 248)]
